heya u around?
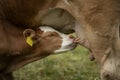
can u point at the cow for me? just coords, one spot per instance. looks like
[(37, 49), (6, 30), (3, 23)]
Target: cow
[(96, 22), (97, 26)]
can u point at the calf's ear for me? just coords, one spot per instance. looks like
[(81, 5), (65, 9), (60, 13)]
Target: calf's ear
[(29, 35)]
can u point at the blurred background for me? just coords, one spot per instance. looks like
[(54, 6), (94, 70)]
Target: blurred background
[(72, 65)]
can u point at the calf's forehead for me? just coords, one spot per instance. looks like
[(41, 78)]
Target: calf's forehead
[(48, 29)]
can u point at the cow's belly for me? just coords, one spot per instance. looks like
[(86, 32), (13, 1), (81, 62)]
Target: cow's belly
[(59, 19)]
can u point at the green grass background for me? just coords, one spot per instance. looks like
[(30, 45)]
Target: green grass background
[(73, 65)]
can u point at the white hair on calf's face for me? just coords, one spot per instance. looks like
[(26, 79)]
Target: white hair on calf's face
[(65, 44), (66, 41), (46, 28)]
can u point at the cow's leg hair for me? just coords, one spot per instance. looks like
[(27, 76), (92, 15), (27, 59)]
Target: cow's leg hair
[(7, 76)]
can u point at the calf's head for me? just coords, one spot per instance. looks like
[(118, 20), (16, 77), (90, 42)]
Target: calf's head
[(46, 39)]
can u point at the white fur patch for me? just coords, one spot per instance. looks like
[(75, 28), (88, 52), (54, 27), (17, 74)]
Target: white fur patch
[(46, 28), (65, 44), (66, 41)]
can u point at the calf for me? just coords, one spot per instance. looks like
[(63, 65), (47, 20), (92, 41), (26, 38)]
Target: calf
[(20, 47)]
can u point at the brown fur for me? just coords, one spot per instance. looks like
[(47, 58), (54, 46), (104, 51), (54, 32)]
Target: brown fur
[(96, 23), (15, 52)]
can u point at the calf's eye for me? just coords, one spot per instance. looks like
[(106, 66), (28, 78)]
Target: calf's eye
[(52, 34)]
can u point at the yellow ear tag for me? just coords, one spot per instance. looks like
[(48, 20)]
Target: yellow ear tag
[(29, 41)]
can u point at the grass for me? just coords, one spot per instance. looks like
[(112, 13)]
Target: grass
[(73, 65)]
